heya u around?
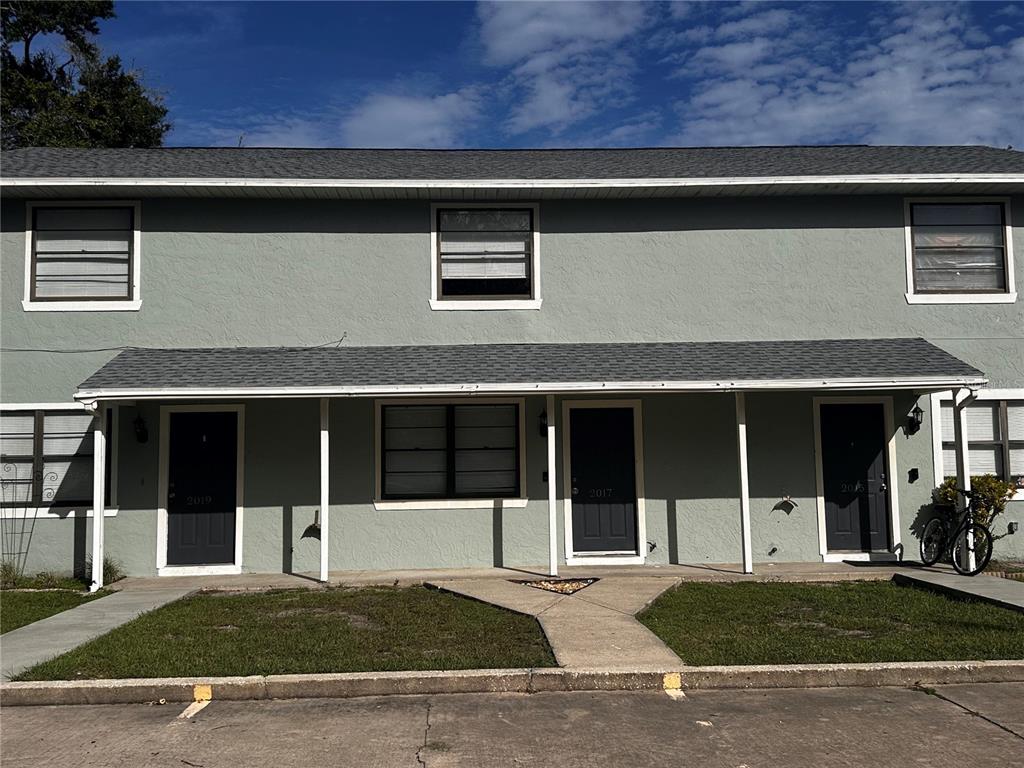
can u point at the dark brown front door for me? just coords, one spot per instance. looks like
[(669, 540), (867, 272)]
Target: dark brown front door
[(603, 474), (201, 492), (855, 477)]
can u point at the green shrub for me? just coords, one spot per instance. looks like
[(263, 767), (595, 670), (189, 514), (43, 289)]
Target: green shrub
[(991, 493), (112, 571)]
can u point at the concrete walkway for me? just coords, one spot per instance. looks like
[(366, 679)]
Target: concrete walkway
[(594, 628), (34, 643), (1006, 593), (702, 572)]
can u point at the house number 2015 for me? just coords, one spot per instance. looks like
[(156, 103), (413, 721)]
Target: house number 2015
[(198, 501), (601, 493)]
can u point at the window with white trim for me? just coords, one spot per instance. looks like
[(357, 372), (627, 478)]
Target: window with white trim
[(485, 253), (82, 256), (449, 451), (46, 458), (995, 439), (959, 248)]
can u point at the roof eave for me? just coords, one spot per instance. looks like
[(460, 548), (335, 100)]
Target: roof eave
[(917, 384)]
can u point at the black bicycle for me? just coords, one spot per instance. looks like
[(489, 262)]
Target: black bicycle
[(968, 545)]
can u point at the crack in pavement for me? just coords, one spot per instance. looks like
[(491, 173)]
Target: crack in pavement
[(965, 708), (426, 732)]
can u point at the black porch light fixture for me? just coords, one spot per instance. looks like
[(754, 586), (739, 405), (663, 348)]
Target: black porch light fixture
[(915, 420)]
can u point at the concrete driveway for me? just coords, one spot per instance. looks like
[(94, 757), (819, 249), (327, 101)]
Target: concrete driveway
[(977, 726)]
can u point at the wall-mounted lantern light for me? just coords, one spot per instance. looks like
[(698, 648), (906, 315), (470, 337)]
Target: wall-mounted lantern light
[(543, 423), (141, 430), (915, 420)]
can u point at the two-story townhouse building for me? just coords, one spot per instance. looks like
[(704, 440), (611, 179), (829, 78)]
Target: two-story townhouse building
[(266, 360)]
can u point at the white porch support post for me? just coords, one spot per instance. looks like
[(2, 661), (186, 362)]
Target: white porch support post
[(552, 491), (961, 399), (99, 502), (325, 486), (741, 439)]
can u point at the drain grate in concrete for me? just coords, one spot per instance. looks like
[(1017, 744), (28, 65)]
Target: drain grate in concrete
[(562, 586)]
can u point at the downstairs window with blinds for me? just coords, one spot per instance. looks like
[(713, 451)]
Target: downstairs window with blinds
[(46, 459), (450, 451), (485, 253), (959, 247), (82, 253), (995, 439)]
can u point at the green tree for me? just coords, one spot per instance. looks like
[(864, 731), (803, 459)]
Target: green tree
[(82, 99)]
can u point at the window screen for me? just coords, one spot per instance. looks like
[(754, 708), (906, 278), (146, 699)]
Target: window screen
[(958, 247), (449, 451), (995, 439), (485, 252), (82, 253)]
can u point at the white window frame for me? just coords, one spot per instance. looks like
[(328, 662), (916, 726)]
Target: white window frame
[(383, 505), (937, 399), (61, 511), (85, 305), (1008, 297), (439, 303)]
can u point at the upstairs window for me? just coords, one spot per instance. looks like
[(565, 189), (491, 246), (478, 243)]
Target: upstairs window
[(82, 257), (959, 250), (486, 257)]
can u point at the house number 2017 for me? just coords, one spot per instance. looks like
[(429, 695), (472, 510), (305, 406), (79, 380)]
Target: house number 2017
[(601, 493), (198, 501)]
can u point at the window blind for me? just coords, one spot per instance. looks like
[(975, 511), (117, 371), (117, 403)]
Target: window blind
[(450, 451), (82, 253), (958, 247), (485, 252)]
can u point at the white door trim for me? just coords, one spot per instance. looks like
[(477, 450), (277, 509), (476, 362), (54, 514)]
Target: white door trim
[(891, 472), (604, 558), (220, 569)]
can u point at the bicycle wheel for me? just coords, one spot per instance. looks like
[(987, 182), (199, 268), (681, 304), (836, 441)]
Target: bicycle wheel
[(933, 541), (982, 550)]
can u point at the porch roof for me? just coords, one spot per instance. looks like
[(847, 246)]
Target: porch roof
[(833, 364)]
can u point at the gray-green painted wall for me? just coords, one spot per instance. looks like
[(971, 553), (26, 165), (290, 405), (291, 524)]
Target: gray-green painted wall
[(263, 272), (227, 272), (690, 478)]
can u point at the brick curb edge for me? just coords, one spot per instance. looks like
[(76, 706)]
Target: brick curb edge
[(348, 685)]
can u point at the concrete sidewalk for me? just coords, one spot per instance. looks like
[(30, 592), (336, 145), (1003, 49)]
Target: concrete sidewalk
[(34, 643), (594, 628), (1006, 593)]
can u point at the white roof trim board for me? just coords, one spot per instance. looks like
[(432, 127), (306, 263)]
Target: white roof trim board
[(77, 182)]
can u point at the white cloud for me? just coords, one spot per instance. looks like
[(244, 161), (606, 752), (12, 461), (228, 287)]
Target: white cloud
[(758, 24), (926, 76), (392, 120), (567, 60)]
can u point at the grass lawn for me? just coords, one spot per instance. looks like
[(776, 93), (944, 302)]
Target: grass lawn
[(294, 631), (20, 608), (777, 623)]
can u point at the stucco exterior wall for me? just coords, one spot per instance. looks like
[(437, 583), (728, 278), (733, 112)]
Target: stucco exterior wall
[(261, 272), (265, 272), (690, 477)]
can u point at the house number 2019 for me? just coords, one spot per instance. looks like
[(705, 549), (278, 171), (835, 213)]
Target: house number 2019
[(601, 493), (198, 501)]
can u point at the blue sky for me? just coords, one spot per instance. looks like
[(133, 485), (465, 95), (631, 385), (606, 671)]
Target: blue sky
[(546, 74)]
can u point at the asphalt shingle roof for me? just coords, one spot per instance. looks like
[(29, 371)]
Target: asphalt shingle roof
[(469, 164), (378, 367)]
